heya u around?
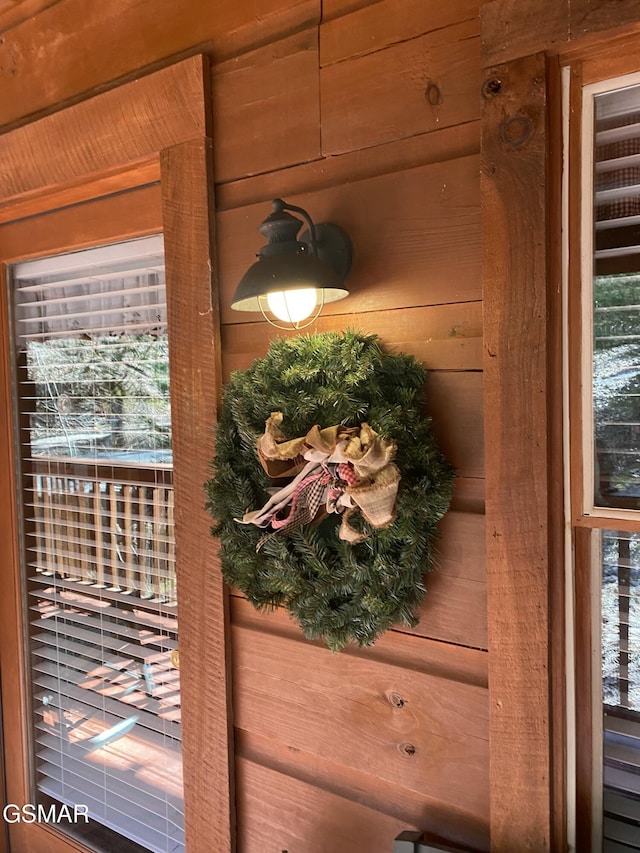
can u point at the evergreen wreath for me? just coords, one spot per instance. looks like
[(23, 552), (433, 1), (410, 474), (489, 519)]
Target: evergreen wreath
[(339, 590)]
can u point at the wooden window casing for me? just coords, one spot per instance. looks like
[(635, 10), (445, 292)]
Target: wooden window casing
[(81, 182)]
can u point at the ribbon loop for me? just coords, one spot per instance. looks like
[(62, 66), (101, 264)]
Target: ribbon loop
[(341, 469)]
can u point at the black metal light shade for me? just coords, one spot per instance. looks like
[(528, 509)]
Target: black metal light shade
[(292, 275)]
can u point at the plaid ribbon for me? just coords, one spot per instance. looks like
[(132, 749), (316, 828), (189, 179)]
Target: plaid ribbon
[(305, 503)]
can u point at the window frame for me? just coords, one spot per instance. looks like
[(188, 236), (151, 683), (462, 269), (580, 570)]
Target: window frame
[(593, 71), (167, 155), (585, 506)]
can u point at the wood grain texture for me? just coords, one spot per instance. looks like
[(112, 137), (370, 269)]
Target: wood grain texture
[(388, 22), (515, 412), (556, 480), (334, 8), (468, 495), (438, 146), (13, 13), (146, 35), (442, 821), (193, 316), (440, 660), (416, 238), (588, 17), (517, 28), (442, 337), (454, 609), (112, 181), (407, 728), (610, 57), (454, 401), (266, 108), (278, 812), (412, 87), (127, 124), (513, 28), (41, 235)]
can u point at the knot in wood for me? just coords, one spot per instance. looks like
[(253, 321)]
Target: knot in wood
[(433, 94), (408, 748), (395, 699), (516, 131), (491, 87)]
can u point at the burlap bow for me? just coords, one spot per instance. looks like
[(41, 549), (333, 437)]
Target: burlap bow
[(336, 469)]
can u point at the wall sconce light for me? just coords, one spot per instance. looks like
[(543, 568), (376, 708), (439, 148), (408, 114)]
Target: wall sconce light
[(294, 278)]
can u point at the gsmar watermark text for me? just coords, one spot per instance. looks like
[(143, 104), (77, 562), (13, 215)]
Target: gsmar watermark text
[(32, 813)]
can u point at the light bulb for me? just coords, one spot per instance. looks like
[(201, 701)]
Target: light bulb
[(292, 306)]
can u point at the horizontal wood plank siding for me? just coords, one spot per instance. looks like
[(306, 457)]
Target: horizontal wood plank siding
[(454, 401), (409, 729), (454, 608), (442, 337), (253, 93), (317, 820), (442, 660), (416, 237), (413, 87), (407, 194), (50, 59), (13, 12), (381, 24), (397, 155), (518, 28), (367, 114)]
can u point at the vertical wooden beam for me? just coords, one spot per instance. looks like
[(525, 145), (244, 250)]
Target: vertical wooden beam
[(586, 690), (515, 265), (187, 199), (555, 431)]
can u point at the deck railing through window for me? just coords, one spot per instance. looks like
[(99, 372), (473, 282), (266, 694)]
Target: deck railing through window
[(107, 692), (621, 687), (106, 530)]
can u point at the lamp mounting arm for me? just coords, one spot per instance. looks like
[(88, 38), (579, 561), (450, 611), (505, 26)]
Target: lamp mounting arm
[(280, 205)]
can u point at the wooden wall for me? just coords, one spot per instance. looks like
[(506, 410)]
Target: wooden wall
[(366, 113)]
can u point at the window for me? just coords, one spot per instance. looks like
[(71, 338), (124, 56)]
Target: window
[(606, 495), (92, 398), (114, 459)]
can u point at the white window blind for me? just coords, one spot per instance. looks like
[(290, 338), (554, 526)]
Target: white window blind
[(104, 291), (616, 298), (616, 433), (92, 396)]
